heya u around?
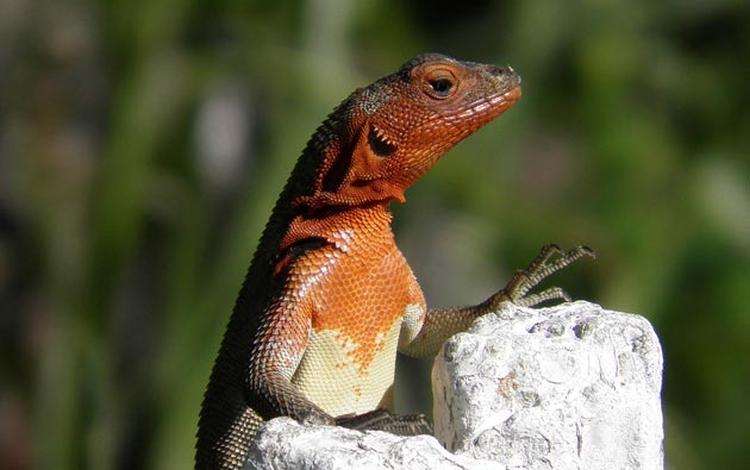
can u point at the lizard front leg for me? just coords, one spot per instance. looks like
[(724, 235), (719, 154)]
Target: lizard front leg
[(273, 394), (279, 346), (440, 324), (384, 420), (550, 260)]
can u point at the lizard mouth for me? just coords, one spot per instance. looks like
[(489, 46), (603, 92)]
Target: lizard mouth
[(485, 109), (505, 100), (514, 94)]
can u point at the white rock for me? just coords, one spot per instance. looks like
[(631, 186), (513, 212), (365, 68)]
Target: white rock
[(282, 444), (569, 387)]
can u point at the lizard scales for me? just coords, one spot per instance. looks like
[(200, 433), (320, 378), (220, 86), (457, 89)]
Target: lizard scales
[(328, 298)]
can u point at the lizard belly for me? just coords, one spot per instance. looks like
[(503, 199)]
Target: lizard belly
[(330, 376)]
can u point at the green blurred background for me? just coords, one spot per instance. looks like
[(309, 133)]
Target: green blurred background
[(143, 143)]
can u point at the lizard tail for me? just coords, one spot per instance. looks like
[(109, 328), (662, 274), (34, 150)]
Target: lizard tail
[(230, 450)]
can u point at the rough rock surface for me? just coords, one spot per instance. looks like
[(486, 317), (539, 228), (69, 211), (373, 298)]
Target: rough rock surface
[(573, 386), (568, 387), (283, 444)]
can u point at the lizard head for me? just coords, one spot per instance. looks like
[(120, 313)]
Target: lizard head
[(393, 131)]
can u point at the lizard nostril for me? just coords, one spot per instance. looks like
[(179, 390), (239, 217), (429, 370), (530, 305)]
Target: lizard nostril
[(503, 73), (507, 75), (497, 70)]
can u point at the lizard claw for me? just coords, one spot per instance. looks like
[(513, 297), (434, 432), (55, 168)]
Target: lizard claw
[(551, 259), (315, 417), (383, 420)]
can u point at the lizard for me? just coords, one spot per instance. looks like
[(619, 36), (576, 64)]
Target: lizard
[(329, 299)]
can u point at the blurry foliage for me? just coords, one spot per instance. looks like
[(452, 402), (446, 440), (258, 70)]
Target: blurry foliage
[(143, 143)]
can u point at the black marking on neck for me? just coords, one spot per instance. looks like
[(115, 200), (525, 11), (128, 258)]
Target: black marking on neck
[(337, 173)]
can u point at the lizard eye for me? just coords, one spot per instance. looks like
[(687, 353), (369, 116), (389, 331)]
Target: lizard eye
[(440, 83), (441, 86)]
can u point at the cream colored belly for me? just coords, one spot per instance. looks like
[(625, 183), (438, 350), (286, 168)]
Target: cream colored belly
[(330, 376)]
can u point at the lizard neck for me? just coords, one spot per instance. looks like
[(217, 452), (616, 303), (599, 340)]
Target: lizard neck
[(323, 143)]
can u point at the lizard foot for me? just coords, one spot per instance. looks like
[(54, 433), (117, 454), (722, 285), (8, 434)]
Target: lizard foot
[(315, 416), (383, 420), (550, 260)]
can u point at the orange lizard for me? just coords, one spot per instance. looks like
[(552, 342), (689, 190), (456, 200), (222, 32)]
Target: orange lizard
[(329, 298)]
